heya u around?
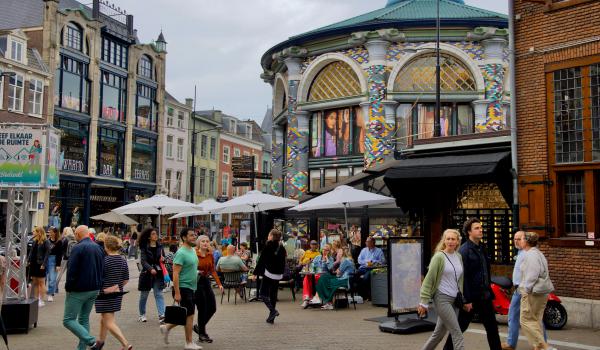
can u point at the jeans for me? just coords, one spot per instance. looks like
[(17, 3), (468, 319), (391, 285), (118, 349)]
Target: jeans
[(78, 306), (51, 275), (487, 315), (205, 302), (447, 322), (158, 297), (514, 315)]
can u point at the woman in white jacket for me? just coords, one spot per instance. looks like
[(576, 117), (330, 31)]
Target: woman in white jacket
[(534, 288)]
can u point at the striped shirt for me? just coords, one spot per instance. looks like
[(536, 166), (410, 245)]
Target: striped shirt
[(115, 271)]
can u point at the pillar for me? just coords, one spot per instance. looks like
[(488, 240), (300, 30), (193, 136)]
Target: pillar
[(494, 118), (277, 161)]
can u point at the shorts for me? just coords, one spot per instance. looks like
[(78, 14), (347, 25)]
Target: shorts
[(187, 300)]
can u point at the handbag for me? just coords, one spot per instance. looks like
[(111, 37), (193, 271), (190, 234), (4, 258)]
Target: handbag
[(460, 300), (176, 314)]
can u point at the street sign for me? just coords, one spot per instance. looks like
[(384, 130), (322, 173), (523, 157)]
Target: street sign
[(243, 174), (241, 183), (243, 163), (265, 176)]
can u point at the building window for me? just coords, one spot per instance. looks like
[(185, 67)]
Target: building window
[(202, 182), (232, 126), (170, 113), (72, 87), (236, 152), (203, 145), (113, 90), (337, 132), (419, 75), (265, 188), (574, 204), (568, 115), (265, 168), (16, 52), (169, 146), (114, 53), (2, 91), (180, 120), (15, 93), (249, 131), (595, 104), (179, 149), (72, 37), (211, 183), (213, 148), (226, 154), (143, 159), (225, 185), (145, 67), (146, 110), (73, 145), (36, 91), (110, 153), (168, 181), (178, 179), (335, 80)]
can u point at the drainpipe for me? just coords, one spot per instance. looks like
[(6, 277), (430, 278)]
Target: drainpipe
[(513, 114)]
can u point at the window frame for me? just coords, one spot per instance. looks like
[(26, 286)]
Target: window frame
[(2, 78), (146, 92), (35, 94), (213, 148), (201, 181), (226, 154), (18, 54), (169, 151), (225, 184), (181, 120), (16, 93), (212, 176), (68, 64), (168, 173), (69, 38), (145, 67), (180, 144), (122, 95), (354, 147), (203, 146)]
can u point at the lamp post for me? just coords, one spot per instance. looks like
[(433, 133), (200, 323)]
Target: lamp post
[(436, 121)]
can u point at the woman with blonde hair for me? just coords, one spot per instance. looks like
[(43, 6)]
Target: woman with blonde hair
[(330, 282), (337, 252), (444, 285), (38, 260), (68, 242), (116, 276)]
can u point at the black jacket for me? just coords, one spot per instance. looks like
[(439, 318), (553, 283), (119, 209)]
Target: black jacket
[(85, 269), (476, 272), (272, 258), (42, 252), (150, 261)]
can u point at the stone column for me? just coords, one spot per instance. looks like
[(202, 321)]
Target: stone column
[(277, 161), (493, 74)]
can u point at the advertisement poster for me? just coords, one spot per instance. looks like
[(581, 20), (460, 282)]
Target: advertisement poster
[(405, 267), (22, 151), (245, 231), (54, 160)]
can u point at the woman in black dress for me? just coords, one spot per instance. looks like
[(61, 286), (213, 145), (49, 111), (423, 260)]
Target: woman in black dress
[(116, 276), (38, 260), (271, 264)]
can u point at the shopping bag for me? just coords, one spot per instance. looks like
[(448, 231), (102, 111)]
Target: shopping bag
[(175, 314)]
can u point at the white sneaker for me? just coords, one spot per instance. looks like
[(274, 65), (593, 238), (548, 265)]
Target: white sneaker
[(315, 300), (41, 303), (50, 298), (304, 304), (327, 307), (142, 318), (192, 346), (165, 333)]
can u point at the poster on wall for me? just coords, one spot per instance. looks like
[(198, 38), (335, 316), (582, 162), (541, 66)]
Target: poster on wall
[(405, 259), (54, 158), (22, 150), (245, 231)]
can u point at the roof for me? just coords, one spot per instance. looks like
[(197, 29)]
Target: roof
[(267, 127), (400, 14), (35, 61)]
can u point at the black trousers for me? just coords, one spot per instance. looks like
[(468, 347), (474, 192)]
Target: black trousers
[(268, 292), (205, 302), (487, 315)]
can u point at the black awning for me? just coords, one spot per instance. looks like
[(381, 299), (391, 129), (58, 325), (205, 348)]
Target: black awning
[(447, 166)]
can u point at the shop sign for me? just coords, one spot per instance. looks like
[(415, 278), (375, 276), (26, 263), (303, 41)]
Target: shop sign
[(73, 165), (97, 198), (107, 170), (141, 174)]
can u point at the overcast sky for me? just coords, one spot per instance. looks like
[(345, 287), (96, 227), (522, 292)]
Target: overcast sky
[(217, 44)]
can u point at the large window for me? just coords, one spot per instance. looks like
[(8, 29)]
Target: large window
[(335, 80), (419, 75), (73, 145), (114, 52), (213, 148), (416, 121), (203, 145), (225, 185), (146, 110), (337, 132), (16, 52), (170, 113), (568, 115), (72, 37), (114, 97), (15, 93), (574, 204), (36, 92), (226, 151), (180, 119), (178, 180), (110, 153), (179, 149), (145, 67), (168, 181), (169, 146), (595, 104), (202, 181), (72, 87), (211, 183), (143, 159), (319, 178)]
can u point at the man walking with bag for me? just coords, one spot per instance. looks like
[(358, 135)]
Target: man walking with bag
[(84, 281), (185, 265), (477, 285)]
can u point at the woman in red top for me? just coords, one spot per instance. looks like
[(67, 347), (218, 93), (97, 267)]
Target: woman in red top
[(205, 298)]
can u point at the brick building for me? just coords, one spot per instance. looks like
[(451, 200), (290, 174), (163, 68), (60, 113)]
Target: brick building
[(558, 126)]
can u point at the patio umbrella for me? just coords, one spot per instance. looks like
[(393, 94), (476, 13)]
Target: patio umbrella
[(115, 218), (344, 197), (208, 208), (157, 205), (253, 202)]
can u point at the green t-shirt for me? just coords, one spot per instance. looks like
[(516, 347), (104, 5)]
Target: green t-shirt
[(230, 263), (186, 257)]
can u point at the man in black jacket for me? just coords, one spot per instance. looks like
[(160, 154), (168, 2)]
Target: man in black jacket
[(477, 290), (84, 280)]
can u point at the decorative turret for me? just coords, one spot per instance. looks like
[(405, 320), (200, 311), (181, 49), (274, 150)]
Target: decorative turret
[(161, 44)]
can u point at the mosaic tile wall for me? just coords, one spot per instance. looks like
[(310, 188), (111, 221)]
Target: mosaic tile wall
[(377, 143), (276, 161), (493, 74), (297, 149), (360, 54)]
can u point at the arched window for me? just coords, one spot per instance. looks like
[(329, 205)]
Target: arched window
[(335, 80), (419, 75), (145, 67), (280, 98), (73, 36)]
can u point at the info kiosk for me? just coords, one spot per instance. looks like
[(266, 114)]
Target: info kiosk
[(405, 268)]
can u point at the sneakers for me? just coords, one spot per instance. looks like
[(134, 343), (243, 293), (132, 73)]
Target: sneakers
[(305, 304), (165, 333), (272, 315), (161, 319), (327, 306), (204, 338), (192, 346), (142, 318), (98, 345), (41, 303), (50, 298), (506, 346)]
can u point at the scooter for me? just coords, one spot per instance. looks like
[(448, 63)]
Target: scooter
[(555, 314)]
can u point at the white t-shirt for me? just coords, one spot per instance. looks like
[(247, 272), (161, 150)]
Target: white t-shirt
[(448, 284)]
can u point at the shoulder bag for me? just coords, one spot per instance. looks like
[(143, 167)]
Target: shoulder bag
[(176, 314), (459, 301)]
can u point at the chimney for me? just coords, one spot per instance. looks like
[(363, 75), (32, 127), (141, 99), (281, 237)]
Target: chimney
[(130, 24), (96, 9), (189, 102)]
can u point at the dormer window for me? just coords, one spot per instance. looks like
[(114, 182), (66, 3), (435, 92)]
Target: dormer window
[(145, 67), (72, 37), (232, 126), (16, 51), (249, 131)]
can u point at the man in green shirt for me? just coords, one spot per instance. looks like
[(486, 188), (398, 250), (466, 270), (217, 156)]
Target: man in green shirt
[(231, 262), (185, 272)]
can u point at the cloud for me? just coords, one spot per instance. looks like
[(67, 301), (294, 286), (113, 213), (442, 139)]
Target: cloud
[(217, 45)]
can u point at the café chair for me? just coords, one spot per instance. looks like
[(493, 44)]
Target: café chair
[(233, 280)]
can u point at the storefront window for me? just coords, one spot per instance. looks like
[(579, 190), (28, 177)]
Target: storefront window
[(110, 153), (455, 119), (146, 108), (72, 85), (337, 132), (143, 159), (113, 95), (73, 145)]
